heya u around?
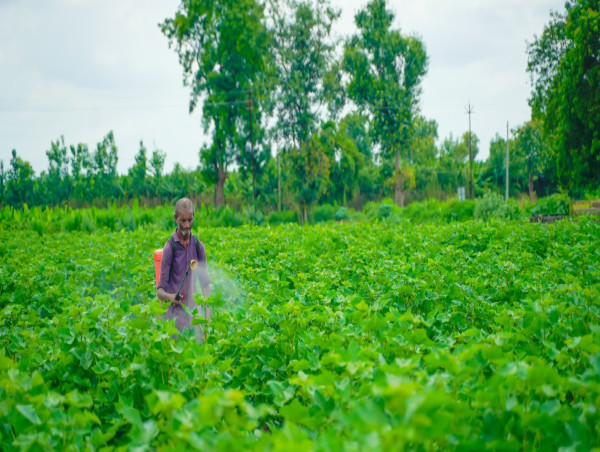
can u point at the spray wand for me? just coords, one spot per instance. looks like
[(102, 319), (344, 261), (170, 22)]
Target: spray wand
[(193, 265)]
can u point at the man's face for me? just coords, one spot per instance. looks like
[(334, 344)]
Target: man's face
[(184, 222)]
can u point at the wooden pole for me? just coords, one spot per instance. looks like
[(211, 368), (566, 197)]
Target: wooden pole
[(469, 111), (507, 161), (251, 146)]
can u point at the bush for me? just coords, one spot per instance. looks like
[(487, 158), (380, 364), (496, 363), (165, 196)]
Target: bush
[(459, 210), (342, 214), (226, 216), (493, 205), (557, 204), (381, 211), (430, 210), (285, 216), (324, 212), (254, 216), (128, 221)]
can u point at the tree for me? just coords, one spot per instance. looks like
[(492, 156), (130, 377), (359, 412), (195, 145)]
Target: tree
[(310, 167), (58, 183), (104, 166), (137, 175), (422, 153), (345, 161), (564, 66), (19, 182), (495, 166), (223, 49), (529, 152), (386, 69), (2, 184), (305, 63), (421, 148), (451, 164), (81, 172), (157, 164)]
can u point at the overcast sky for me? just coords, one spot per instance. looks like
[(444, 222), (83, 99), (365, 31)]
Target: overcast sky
[(81, 68)]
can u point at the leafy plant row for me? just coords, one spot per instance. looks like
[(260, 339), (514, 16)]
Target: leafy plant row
[(126, 218), (349, 336)]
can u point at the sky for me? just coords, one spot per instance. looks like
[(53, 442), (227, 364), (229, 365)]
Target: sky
[(81, 68)]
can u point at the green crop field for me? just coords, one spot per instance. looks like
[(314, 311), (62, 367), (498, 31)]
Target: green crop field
[(354, 337)]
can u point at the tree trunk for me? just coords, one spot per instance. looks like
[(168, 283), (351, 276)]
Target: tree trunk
[(219, 188), (398, 185), (530, 186), (305, 211)]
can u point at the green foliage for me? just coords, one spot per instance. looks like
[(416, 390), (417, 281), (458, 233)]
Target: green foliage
[(557, 204), (19, 189), (303, 49), (460, 211), (563, 64), (458, 336), (381, 211), (385, 70), (324, 212), (343, 213), (310, 169), (493, 205), (223, 48), (285, 216)]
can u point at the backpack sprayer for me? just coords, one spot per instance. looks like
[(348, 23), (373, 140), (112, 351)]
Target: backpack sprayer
[(193, 265)]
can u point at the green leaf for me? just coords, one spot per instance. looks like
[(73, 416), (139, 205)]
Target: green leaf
[(29, 412)]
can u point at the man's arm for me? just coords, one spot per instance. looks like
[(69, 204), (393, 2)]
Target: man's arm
[(165, 271), (163, 295)]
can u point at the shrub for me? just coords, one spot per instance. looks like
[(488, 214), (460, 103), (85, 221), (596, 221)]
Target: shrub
[(493, 205), (557, 204), (429, 210), (285, 216), (324, 212), (342, 214), (459, 210), (128, 221), (254, 216), (226, 216)]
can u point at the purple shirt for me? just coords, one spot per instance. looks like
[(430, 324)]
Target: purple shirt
[(172, 272)]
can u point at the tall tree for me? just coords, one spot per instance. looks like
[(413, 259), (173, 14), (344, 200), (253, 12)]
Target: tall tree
[(564, 65), (58, 182), (2, 184), (306, 68), (19, 182), (104, 164), (137, 174), (157, 164), (386, 69), (494, 173), (529, 153), (310, 170), (223, 49), (81, 172), (345, 161)]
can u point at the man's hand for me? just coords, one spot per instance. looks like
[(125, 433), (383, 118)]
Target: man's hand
[(177, 299)]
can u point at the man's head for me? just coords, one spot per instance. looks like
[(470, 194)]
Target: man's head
[(184, 216)]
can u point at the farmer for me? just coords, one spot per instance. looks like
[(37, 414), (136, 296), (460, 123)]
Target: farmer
[(179, 251)]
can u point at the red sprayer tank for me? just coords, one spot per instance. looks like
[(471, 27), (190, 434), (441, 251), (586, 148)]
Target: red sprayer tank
[(157, 259)]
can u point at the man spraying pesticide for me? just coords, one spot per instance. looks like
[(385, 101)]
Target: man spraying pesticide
[(182, 252)]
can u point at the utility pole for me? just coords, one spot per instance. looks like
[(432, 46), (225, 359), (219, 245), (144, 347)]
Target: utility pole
[(469, 111), (507, 161), (251, 145), (279, 180)]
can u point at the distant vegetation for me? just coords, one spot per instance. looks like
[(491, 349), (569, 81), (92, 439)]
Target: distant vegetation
[(298, 120)]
